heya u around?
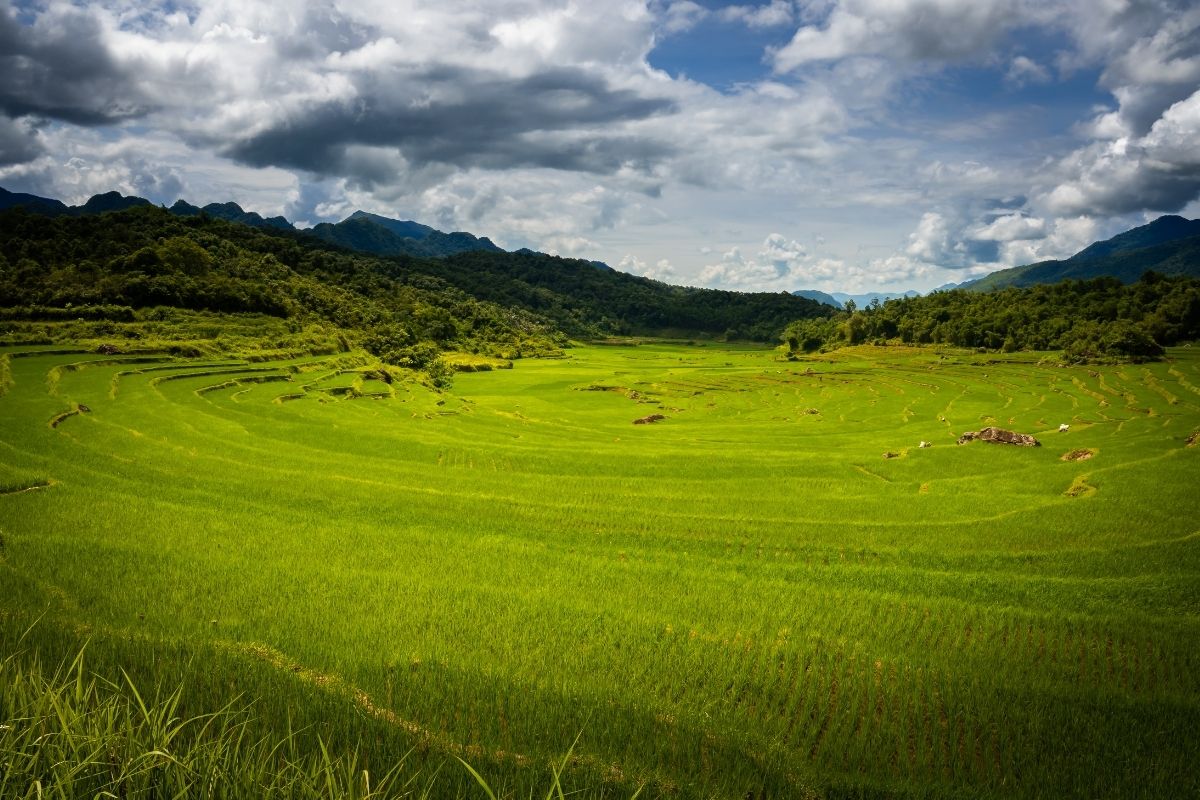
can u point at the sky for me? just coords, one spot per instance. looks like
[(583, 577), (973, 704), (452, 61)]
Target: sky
[(841, 145)]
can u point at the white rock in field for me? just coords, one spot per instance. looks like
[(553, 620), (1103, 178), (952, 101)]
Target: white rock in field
[(1063, 428), (925, 444)]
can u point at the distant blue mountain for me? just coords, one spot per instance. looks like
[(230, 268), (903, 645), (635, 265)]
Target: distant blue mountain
[(820, 297), (865, 298)]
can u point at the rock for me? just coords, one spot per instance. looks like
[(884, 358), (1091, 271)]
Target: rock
[(108, 349), (925, 444), (1078, 455), (890, 454), (1001, 436), (1193, 439), (649, 419), (84, 409)]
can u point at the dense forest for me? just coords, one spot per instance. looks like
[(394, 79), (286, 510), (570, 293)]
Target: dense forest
[(146, 257), (1098, 319)]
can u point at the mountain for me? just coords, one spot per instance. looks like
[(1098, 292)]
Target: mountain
[(32, 202), (361, 231), (110, 201), (403, 228), (865, 299), (370, 233), (1169, 245), (147, 256), (231, 212), (820, 297)]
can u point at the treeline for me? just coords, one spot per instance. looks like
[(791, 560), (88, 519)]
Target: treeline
[(145, 257), (106, 266), (1096, 319), (585, 299)]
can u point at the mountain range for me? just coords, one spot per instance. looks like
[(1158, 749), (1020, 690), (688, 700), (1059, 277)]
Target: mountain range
[(1169, 245), (361, 231), (221, 258)]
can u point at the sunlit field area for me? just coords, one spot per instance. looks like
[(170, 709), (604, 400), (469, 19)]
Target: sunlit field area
[(771, 591)]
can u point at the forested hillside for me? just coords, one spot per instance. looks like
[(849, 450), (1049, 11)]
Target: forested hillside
[(146, 257), (1169, 245), (1096, 319)]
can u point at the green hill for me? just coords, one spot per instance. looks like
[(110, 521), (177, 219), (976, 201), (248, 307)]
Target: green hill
[(368, 233), (147, 256), (1169, 245)]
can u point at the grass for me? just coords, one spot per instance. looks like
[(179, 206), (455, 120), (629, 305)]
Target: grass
[(744, 598)]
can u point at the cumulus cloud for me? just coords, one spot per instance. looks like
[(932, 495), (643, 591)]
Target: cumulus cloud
[(770, 15), (1143, 154), (558, 118), (780, 264), (1062, 239), (62, 67), (681, 15), (1159, 171), (18, 142), (908, 29), (1010, 227), (544, 123), (662, 270), (1024, 70)]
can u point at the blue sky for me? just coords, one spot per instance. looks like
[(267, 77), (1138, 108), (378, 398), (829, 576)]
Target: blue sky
[(787, 144)]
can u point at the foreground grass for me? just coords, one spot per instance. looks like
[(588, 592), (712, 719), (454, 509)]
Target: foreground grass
[(744, 597), (67, 734)]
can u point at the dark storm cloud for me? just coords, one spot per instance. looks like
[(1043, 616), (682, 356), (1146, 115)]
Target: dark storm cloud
[(325, 30), (17, 143), (63, 70), (465, 117)]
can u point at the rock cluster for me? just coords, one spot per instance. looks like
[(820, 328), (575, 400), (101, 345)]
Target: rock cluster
[(1000, 436)]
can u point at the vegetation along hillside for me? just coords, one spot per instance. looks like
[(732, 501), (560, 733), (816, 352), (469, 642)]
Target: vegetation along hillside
[(1087, 320), (145, 257), (1169, 245), (254, 541)]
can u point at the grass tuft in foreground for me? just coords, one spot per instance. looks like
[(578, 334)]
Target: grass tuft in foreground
[(67, 733)]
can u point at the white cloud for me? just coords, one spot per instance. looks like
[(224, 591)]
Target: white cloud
[(1024, 70), (930, 242), (1158, 171), (682, 15), (908, 29), (769, 15), (662, 270), (541, 123), (1064, 239), (1010, 227)]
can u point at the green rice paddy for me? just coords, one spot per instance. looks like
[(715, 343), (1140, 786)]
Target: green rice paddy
[(744, 598)]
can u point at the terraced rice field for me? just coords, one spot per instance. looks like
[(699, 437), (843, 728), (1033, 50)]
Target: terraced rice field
[(742, 599)]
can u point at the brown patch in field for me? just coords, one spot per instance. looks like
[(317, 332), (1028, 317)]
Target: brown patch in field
[(1082, 454), (1080, 488)]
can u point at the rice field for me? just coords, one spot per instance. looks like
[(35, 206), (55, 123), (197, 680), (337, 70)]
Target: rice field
[(744, 598)]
